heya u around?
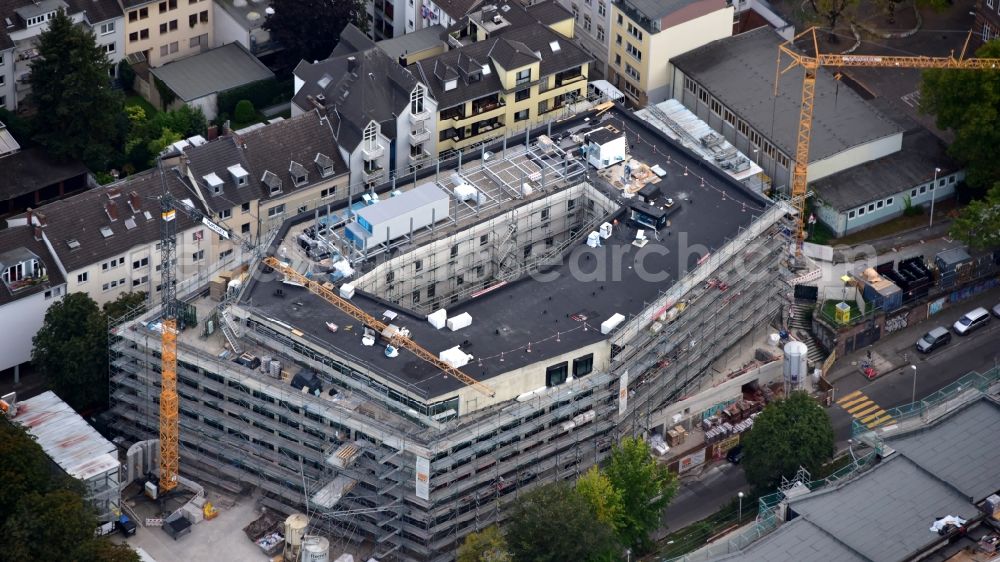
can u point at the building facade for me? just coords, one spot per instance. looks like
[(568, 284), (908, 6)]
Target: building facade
[(158, 32), (238, 21), (646, 34), (986, 26), (592, 23)]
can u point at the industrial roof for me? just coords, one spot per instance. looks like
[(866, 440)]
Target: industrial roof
[(66, 437), (739, 71), (798, 541), (913, 165), (396, 206), (413, 42), (531, 310), (216, 70)]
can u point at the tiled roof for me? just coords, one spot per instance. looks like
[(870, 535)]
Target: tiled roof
[(97, 10), (217, 157), (79, 220)]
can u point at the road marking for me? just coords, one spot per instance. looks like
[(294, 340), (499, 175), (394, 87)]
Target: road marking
[(869, 408), (864, 409), (872, 416), (855, 404), (849, 397)]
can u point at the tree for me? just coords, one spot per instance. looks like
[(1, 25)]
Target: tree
[(554, 523), (487, 545), (646, 487), (70, 349), (78, 114), (156, 146), (604, 499), (245, 113), (24, 469), (978, 224), (968, 103), (187, 121), (126, 303), (789, 433), (830, 11), (310, 29)]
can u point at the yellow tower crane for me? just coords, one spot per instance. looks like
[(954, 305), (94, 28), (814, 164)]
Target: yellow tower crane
[(395, 338), (811, 65)]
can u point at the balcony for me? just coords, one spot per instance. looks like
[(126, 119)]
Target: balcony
[(372, 151), (456, 113), (371, 175), (419, 156), (487, 104), (419, 117), (417, 136), (568, 77)]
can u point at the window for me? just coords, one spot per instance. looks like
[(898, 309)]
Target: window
[(245, 208), (454, 251), (390, 277), (431, 291), (415, 296), (522, 95), (276, 210), (163, 7), (225, 254), (163, 28), (203, 17), (53, 293), (133, 16), (144, 262), (417, 100), (879, 204), (556, 374), (600, 33), (951, 179), (109, 48), (989, 4), (871, 207), (941, 182), (140, 281), (583, 365), (3, 79), (634, 31), (602, 9), (107, 28), (144, 34), (527, 250), (850, 215), (198, 256), (82, 278), (371, 137), (418, 265), (586, 22), (522, 115), (913, 193), (460, 280), (484, 239), (245, 228), (164, 50), (633, 51), (225, 214), (618, 60), (3, 59), (618, 39), (570, 204), (193, 20), (545, 214), (133, 37), (620, 19), (523, 76), (923, 189), (632, 72), (143, 13), (194, 41), (861, 211), (576, 12)]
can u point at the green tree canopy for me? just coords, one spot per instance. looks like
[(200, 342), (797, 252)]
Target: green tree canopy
[(789, 433), (646, 488), (310, 29), (24, 469), (487, 545), (968, 103), (604, 499), (71, 350), (978, 224), (78, 114), (554, 523), (124, 304)]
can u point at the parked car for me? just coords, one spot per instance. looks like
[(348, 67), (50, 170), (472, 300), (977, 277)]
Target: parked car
[(996, 311), (973, 320), (933, 339), (735, 455)]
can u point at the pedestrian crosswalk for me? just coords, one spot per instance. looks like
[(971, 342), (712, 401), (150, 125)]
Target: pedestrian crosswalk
[(864, 409)]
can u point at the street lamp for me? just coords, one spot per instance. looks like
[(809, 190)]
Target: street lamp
[(933, 197), (740, 520), (628, 555), (913, 397)]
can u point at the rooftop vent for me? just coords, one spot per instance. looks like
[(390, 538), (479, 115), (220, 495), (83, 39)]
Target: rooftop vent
[(73, 243), (106, 231), (352, 65), (497, 19), (321, 98)]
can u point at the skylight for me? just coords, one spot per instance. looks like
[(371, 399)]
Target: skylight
[(106, 231), (130, 223), (554, 45), (487, 70), (73, 243)]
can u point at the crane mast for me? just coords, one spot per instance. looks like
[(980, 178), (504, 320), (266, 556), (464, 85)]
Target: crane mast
[(169, 433), (811, 65)]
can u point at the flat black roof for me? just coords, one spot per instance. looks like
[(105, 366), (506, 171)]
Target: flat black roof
[(550, 314)]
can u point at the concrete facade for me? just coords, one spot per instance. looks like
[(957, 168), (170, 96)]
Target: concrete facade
[(167, 30)]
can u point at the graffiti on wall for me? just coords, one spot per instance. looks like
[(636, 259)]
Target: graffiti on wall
[(896, 323), (935, 306)]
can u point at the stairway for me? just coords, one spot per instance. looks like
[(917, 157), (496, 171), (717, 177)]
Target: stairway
[(229, 330), (800, 325)]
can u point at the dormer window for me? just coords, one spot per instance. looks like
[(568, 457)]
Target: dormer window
[(239, 175), (417, 100), (272, 181), (21, 268), (300, 176), (214, 183), (324, 164)]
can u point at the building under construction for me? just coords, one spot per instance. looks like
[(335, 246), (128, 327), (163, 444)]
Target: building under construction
[(577, 302)]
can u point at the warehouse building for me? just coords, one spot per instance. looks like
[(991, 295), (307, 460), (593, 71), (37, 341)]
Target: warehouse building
[(568, 348)]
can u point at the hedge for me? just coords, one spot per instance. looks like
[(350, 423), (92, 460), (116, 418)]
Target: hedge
[(263, 93)]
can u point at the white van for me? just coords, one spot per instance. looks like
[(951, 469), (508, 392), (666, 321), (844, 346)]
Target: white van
[(971, 321)]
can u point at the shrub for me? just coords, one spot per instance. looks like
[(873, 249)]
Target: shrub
[(245, 113)]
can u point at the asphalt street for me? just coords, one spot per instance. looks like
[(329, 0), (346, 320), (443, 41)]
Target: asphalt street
[(700, 496)]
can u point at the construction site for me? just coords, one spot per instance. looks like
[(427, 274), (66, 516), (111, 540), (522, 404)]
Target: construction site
[(401, 368)]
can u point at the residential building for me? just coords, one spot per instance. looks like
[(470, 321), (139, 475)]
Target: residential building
[(26, 20), (565, 365), (239, 21), (881, 190), (592, 20), (32, 177), (32, 281), (382, 116), (507, 71), (395, 18), (160, 31), (646, 35), (987, 22), (198, 79), (729, 84)]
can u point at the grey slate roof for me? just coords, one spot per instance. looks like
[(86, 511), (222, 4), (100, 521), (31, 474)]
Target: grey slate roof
[(216, 157), (963, 451), (299, 140), (213, 71), (914, 164), (798, 541), (656, 9), (456, 8), (20, 240), (739, 71), (378, 90), (32, 169), (82, 216), (549, 12), (97, 11)]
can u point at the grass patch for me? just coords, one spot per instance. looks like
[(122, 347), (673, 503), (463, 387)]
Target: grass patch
[(830, 309), (136, 99), (695, 535)]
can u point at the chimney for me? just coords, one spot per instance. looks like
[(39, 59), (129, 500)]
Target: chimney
[(40, 219), (352, 65), (38, 234), (226, 130), (30, 216)]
